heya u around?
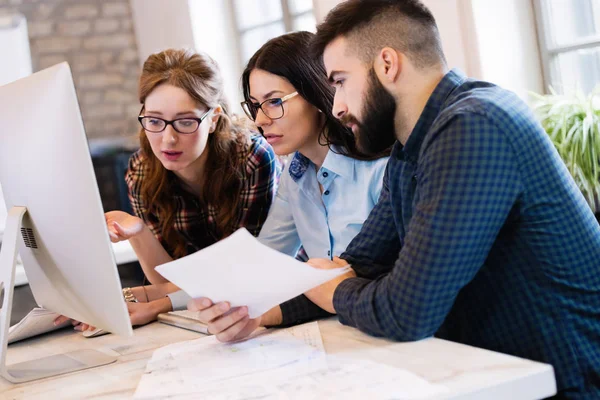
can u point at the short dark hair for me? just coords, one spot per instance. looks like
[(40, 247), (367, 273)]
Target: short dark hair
[(370, 25), (288, 56)]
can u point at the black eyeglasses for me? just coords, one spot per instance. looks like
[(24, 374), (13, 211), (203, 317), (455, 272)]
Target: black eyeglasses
[(181, 125), (272, 108)]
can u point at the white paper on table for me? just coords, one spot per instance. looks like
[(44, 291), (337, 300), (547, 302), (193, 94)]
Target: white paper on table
[(355, 379), (244, 272), (275, 364), (201, 365), (346, 380), (35, 323)]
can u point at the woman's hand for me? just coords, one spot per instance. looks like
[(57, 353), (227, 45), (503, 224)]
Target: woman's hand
[(78, 326), (144, 313), (122, 226)]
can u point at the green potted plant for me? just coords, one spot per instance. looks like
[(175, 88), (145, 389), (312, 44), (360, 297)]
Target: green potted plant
[(573, 124)]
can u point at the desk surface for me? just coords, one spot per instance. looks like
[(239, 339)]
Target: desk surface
[(469, 372)]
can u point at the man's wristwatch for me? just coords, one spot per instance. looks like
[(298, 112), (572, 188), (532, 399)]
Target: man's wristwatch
[(128, 295)]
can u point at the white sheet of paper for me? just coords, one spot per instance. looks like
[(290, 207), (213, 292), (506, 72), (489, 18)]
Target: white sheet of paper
[(205, 364), (35, 323), (274, 364), (351, 379), (244, 272), (359, 380)]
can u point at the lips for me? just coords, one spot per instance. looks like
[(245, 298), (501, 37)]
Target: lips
[(272, 138), (172, 155)]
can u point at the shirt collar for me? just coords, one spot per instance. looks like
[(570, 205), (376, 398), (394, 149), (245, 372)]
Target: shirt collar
[(298, 166), (334, 162), (339, 164), (449, 82)]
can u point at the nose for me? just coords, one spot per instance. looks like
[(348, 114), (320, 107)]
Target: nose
[(170, 135), (261, 119), (339, 106)]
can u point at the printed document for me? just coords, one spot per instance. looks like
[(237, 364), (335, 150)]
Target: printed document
[(205, 364), (35, 323), (244, 272), (275, 364)]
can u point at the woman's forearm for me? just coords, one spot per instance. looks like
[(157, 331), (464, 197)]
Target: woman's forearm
[(150, 253), (159, 291)]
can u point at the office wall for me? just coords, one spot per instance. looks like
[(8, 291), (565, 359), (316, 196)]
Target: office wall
[(96, 37), (217, 36), (16, 64), (322, 7), (202, 25), (161, 24), (14, 47), (507, 44)]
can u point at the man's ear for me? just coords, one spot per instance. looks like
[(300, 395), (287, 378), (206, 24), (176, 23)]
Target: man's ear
[(214, 118), (388, 66)]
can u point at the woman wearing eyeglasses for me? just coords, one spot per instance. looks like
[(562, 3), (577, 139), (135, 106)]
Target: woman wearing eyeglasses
[(199, 175), (328, 187)]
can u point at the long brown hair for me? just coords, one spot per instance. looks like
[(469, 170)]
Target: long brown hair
[(199, 76)]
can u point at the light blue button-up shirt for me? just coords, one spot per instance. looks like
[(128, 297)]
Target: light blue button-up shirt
[(323, 223)]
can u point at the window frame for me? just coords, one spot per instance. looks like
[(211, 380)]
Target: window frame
[(288, 18), (549, 51)]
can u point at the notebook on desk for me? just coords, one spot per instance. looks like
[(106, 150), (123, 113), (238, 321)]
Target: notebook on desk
[(184, 319)]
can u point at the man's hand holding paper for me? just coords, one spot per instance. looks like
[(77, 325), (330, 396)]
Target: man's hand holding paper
[(237, 280)]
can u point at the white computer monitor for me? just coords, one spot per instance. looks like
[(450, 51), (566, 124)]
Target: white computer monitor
[(46, 174)]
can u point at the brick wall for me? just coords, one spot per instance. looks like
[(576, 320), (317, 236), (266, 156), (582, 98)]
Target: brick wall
[(96, 38)]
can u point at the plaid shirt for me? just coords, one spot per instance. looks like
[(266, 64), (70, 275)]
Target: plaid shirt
[(196, 223), (480, 237)]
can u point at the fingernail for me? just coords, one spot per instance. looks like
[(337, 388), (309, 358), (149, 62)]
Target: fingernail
[(205, 303), (223, 306), (243, 311)]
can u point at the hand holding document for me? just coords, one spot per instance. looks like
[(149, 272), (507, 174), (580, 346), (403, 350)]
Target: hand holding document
[(244, 272), (35, 323)]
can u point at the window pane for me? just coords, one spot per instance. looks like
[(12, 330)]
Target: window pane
[(305, 22), (250, 13), (298, 6), (253, 39), (571, 20), (576, 70)]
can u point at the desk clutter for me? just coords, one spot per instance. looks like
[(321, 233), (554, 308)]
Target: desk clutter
[(274, 364)]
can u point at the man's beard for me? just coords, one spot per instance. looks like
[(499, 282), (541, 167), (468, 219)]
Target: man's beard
[(376, 132)]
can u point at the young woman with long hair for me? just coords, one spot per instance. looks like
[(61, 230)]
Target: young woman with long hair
[(327, 188), (199, 175)]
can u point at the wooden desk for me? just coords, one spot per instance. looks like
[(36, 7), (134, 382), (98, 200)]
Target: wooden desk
[(469, 373)]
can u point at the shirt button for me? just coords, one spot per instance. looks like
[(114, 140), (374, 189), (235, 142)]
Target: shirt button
[(329, 253), (326, 193), (325, 174)]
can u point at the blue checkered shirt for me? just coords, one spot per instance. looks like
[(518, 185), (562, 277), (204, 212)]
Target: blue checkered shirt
[(481, 237)]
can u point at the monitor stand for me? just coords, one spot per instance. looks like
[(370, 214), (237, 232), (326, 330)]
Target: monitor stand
[(41, 367)]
